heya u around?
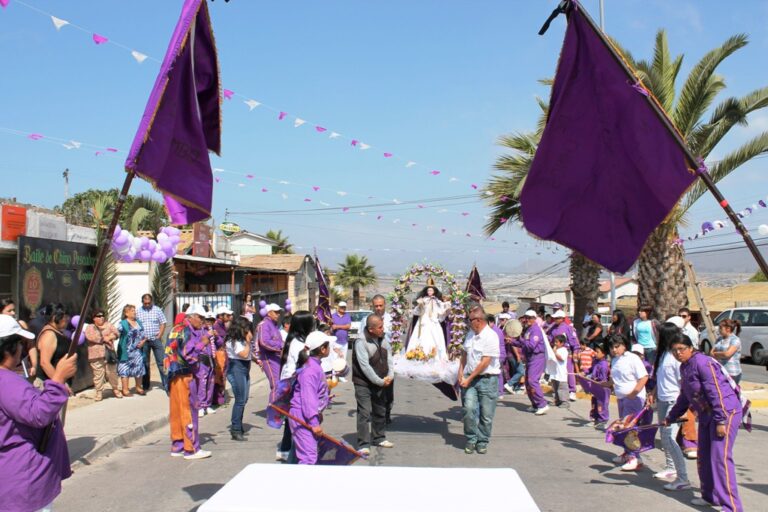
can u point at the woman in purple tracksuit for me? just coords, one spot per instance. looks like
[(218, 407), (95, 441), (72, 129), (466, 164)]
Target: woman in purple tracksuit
[(310, 398), (711, 393), (532, 342)]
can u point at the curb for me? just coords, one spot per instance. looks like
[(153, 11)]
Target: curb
[(123, 440)]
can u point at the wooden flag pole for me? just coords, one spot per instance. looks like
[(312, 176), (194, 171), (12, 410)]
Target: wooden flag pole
[(568, 6), (323, 435)]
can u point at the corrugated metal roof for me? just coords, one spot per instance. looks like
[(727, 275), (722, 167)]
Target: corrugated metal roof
[(279, 262)]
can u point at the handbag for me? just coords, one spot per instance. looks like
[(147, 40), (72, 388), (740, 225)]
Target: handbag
[(110, 356)]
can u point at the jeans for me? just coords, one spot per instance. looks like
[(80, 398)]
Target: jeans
[(672, 452), (371, 409), (479, 406), (519, 368), (239, 377), (158, 348)]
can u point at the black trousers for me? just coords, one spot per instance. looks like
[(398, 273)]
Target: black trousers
[(371, 415), (389, 395)]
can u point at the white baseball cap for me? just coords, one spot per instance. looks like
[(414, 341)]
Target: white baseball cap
[(317, 339), (677, 321), (638, 348), (273, 307), (195, 309), (9, 326), (341, 304), (222, 310), (558, 314), (530, 313), (210, 315)]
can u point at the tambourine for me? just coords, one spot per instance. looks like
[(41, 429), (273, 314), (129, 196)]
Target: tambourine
[(340, 367)]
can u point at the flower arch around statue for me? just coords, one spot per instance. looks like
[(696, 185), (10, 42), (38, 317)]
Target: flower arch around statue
[(399, 307)]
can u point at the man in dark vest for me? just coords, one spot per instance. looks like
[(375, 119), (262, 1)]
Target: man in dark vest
[(372, 373)]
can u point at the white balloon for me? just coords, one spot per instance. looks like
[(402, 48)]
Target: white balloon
[(161, 237), (763, 229)]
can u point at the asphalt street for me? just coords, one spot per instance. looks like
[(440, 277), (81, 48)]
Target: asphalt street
[(565, 464)]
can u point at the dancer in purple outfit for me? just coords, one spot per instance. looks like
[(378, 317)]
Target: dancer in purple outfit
[(532, 342)]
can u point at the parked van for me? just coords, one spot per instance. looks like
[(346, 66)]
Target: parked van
[(754, 332)]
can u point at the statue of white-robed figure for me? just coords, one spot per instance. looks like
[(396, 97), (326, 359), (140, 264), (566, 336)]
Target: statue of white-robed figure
[(428, 332)]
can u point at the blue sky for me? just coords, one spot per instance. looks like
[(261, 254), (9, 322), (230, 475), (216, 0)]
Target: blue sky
[(434, 82)]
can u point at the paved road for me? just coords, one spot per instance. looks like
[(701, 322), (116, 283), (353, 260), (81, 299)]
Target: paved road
[(565, 464), (754, 373)]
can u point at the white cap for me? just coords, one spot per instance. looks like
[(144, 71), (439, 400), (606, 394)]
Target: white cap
[(9, 326), (638, 348), (273, 307), (341, 304), (317, 339), (222, 310), (678, 321), (504, 316), (210, 315), (195, 309), (558, 314), (531, 313)]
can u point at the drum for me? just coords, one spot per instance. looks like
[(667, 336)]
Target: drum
[(340, 367)]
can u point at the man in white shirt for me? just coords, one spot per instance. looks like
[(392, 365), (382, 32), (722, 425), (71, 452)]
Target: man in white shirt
[(688, 328), (479, 371)]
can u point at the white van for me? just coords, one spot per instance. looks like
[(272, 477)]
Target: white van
[(754, 332)]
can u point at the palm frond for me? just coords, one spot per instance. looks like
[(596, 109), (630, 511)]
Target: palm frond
[(697, 92), (138, 216)]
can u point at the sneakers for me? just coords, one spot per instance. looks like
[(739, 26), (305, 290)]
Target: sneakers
[(572, 396), (470, 448), (386, 444), (365, 451), (701, 502), (677, 485), (200, 413), (482, 449), (281, 456), (177, 454), (531, 409), (199, 454), (667, 474), (209, 410), (691, 454), (509, 389), (237, 436), (542, 411), (620, 459), (632, 464)]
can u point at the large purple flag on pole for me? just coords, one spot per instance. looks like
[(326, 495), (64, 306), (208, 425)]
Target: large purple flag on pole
[(182, 120), (323, 310), (475, 286), (607, 170)]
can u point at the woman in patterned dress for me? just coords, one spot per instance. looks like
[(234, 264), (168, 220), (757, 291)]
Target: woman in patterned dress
[(129, 355)]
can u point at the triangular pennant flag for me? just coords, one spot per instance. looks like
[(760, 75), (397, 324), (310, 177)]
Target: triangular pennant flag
[(341, 193), (298, 122), (387, 155), (334, 135), (252, 104), (227, 94), (76, 144), (364, 146), (58, 22), (410, 164), (140, 57), (182, 120), (320, 129), (99, 39), (281, 116), (4, 3), (34, 136)]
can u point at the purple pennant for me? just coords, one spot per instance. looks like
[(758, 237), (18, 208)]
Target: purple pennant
[(307, 200), (264, 190), (387, 155), (379, 217), (434, 173), (354, 142), (170, 154), (4, 3), (228, 94), (464, 214), (249, 176), (112, 150), (34, 136), (320, 129), (315, 188), (345, 209), (281, 116), (762, 203), (600, 132), (99, 39)]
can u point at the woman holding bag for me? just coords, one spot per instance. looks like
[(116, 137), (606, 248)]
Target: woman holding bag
[(101, 336)]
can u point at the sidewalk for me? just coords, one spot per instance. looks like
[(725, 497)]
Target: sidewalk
[(96, 429)]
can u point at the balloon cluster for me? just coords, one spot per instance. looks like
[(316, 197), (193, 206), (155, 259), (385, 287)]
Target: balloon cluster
[(263, 307), (128, 248), (75, 321)]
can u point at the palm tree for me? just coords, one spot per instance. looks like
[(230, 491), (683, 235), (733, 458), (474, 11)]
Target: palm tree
[(661, 273), (505, 207), (282, 247), (355, 273)]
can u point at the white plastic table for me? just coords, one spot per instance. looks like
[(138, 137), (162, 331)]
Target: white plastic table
[(294, 488)]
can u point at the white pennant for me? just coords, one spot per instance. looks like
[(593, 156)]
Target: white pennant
[(410, 164), (364, 146), (58, 22), (334, 135), (283, 182), (76, 144), (298, 122), (218, 169), (284, 195), (453, 179), (324, 203), (68, 146), (241, 184), (396, 201), (140, 57), (252, 104), (341, 193)]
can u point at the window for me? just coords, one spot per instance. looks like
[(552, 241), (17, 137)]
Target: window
[(759, 318), (722, 316), (742, 317)]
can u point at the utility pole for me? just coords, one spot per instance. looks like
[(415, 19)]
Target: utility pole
[(65, 174)]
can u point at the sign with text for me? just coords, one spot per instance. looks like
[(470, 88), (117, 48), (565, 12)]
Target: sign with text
[(14, 223)]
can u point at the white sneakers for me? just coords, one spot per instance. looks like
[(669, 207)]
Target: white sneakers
[(666, 474), (199, 454), (678, 485), (209, 410), (510, 389), (386, 444), (572, 396), (200, 413), (542, 411), (701, 502), (632, 464), (691, 454)]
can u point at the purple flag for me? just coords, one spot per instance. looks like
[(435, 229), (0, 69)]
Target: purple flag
[(281, 398), (474, 286), (333, 452), (607, 170), (323, 309), (638, 438), (182, 120), (593, 388)]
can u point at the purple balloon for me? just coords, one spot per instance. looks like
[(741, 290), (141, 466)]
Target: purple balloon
[(118, 230), (75, 320), (288, 308), (144, 242), (287, 301), (707, 227), (126, 258), (159, 257), (145, 255), (262, 304), (263, 312)]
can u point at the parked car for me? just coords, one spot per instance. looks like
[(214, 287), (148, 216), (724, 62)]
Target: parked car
[(355, 331), (754, 332)]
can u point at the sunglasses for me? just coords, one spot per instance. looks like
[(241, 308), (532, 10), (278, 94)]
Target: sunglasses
[(99, 316), (683, 316)]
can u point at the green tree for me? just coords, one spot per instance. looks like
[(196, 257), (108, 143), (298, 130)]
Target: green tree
[(759, 277), (661, 272), (506, 187), (356, 273), (282, 247)]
